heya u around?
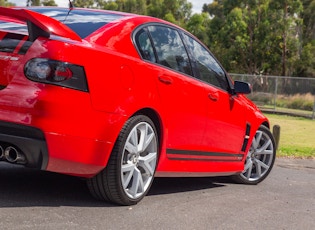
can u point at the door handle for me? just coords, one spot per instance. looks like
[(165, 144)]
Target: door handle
[(213, 96), (165, 79)]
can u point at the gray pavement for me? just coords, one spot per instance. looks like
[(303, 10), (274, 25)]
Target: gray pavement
[(40, 200)]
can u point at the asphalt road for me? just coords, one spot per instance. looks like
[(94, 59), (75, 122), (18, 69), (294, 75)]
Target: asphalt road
[(41, 200)]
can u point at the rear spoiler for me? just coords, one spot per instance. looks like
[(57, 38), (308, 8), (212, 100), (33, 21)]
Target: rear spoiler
[(39, 25)]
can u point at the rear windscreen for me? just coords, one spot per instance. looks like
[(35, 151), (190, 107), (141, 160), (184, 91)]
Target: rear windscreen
[(83, 22)]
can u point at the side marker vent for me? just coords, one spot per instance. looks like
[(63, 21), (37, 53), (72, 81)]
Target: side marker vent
[(246, 138)]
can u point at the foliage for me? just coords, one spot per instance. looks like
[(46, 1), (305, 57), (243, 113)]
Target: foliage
[(197, 25), (298, 101), (255, 37), (41, 3), (49, 3), (6, 3), (83, 3), (33, 3)]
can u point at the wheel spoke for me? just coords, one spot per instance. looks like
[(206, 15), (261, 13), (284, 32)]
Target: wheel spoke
[(137, 183), (262, 164), (131, 148), (248, 164), (146, 136), (148, 163), (132, 142), (127, 172), (258, 169), (256, 140), (264, 149), (265, 152), (248, 173)]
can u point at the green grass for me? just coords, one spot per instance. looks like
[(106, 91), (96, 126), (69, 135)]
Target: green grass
[(297, 137)]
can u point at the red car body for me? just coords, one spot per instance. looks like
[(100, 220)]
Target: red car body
[(202, 129)]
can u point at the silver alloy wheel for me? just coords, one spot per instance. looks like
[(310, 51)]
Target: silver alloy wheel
[(139, 160), (259, 158)]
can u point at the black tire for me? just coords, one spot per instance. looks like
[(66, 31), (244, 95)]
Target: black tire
[(129, 173), (260, 158)]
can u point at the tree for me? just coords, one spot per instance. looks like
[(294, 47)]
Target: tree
[(287, 13), (6, 3), (33, 3), (254, 36), (306, 63), (49, 3), (197, 25), (83, 3), (156, 8), (131, 6), (175, 11), (308, 17), (179, 9)]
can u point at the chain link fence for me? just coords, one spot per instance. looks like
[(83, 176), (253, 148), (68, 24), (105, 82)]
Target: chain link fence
[(287, 95)]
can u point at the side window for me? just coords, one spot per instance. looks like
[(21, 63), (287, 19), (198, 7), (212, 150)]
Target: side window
[(170, 49), (144, 46), (205, 66)]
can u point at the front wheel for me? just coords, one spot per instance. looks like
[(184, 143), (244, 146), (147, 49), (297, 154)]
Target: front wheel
[(260, 158), (130, 171)]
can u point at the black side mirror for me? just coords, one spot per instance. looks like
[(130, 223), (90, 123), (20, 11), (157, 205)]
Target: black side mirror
[(242, 87)]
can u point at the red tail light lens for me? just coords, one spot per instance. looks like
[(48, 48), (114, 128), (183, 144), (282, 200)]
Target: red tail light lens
[(62, 73), (56, 73)]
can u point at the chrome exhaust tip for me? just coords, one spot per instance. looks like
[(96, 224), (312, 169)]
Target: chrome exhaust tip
[(12, 155), (1, 153)]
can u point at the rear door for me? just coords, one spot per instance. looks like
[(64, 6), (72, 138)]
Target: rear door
[(181, 96)]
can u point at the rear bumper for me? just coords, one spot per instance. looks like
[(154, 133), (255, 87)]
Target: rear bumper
[(56, 128), (53, 152), (28, 141)]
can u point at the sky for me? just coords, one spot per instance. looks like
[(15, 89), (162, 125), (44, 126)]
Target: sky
[(197, 4)]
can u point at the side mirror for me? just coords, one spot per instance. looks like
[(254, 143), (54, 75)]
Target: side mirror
[(242, 87)]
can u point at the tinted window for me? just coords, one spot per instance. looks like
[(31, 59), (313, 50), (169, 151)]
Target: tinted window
[(205, 66), (170, 48), (83, 22), (144, 45), (13, 26)]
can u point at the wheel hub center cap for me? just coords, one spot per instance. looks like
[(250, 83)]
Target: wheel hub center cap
[(135, 159)]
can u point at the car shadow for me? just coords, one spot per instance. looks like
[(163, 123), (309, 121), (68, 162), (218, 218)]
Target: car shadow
[(182, 184), (23, 187)]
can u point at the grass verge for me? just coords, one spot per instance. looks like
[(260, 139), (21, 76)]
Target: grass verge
[(296, 137)]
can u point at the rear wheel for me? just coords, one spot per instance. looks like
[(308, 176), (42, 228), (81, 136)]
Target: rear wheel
[(260, 158), (131, 167)]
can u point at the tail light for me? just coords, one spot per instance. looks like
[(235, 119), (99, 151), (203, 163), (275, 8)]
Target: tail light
[(56, 73)]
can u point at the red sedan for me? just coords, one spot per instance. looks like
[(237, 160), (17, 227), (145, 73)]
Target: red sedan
[(119, 99)]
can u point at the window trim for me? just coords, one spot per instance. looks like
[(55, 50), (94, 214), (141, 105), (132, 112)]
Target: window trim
[(191, 57), (145, 27)]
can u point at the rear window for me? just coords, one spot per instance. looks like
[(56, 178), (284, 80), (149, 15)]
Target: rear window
[(83, 22)]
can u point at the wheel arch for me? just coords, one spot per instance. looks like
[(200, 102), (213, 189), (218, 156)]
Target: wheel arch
[(266, 123), (155, 117)]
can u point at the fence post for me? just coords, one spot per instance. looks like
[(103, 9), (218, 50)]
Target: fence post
[(313, 116), (275, 96)]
